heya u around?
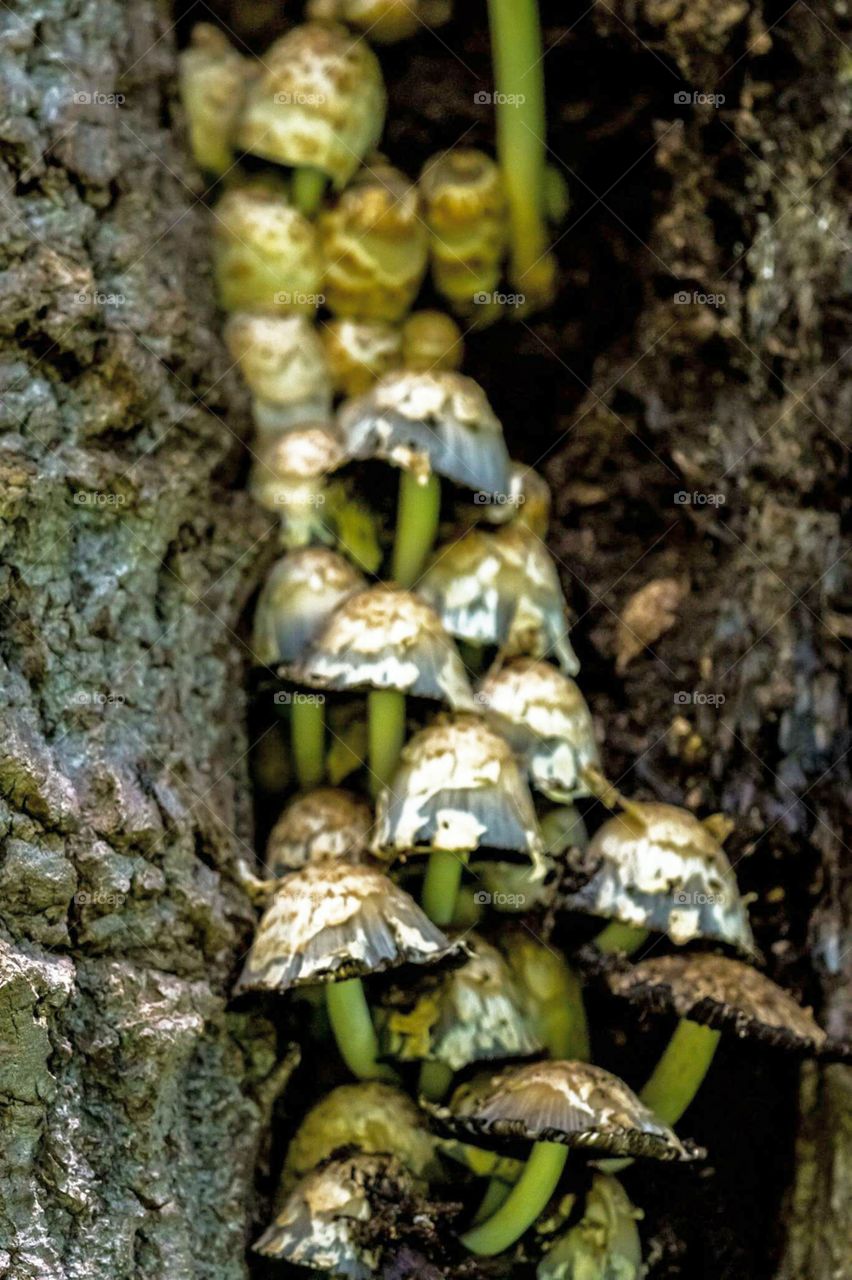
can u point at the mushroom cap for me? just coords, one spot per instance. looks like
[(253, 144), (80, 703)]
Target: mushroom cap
[(384, 21), (359, 352), (473, 1013), (662, 869), (318, 1223), (540, 974), (528, 502), (213, 80), (457, 788), (374, 1117), (501, 589), (574, 1103), (386, 638), (604, 1244), (545, 719), (429, 422), (287, 474), (266, 253), (320, 102), (464, 203), (325, 823), (281, 358), (431, 340), (721, 993), (300, 593), (330, 921)]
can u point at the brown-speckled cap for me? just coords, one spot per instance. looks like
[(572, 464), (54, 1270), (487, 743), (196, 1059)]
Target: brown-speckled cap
[(501, 589), (430, 422), (662, 869), (330, 921), (458, 788), (300, 593), (325, 823), (290, 467), (545, 719), (574, 1103), (386, 638)]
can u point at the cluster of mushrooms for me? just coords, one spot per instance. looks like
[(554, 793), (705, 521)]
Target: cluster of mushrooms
[(418, 636)]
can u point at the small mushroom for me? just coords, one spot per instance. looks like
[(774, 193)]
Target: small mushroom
[(318, 106), (550, 991), (300, 593), (502, 589), (266, 254), (429, 425), (431, 340), (545, 719), (359, 352), (375, 246), (552, 1105), (325, 823), (323, 1220), (604, 1244), (331, 923), (464, 201), (284, 364), (213, 81), (458, 788), (474, 1013), (661, 869), (527, 503), (289, 478), (384, 21)]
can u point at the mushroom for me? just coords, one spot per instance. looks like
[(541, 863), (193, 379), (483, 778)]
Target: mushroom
[(333, 924), (284, 365), (318, 106), (474, 1013), (431, 340), (501, 589), (604, 1244), (464, 203), (661, 869), (429, 425), (300, 593), (375, 246), (213, 80), (322, 1222), (457, 788), (325, 823), (550, 993), (266, 254), (387, 641), (384, 21), (527, 503), (371, 1116), (552, 1106), (359, 352)]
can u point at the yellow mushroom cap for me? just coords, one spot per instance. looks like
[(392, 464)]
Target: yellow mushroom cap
[(431, 340), (266, 254), (465, 209), (282, 360), (359, 352), (213, 82), (384, 21), (324, 823)]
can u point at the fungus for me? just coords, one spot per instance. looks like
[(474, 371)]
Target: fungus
[(384, 21), (324, 823), (458, 788), (359, 352), (429, 425), (528, 503), (333, 924), (551, 993), (289, 478), (266, 254), (604, 1244), (213, 81), (284, 365), (318, 107), (300, 593), (375, 246), (431, 340)]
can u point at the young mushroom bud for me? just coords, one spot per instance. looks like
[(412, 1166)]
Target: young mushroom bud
[(384, 21), (527, 503), (300, 593), (359, 352), (324, 823), (374, 245), (213, 81), (604, 1244), (431, 340), (550, 991), (266, 254), (465, 210), (282, 360), (289, 478), (318, 107)]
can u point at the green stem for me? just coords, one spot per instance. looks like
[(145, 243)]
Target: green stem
[(417, 515), (385, 734), (435, 1080), (571, 1038), (349, 1015), (441, 885), (307, 738), (518, 57), (680, 1072), (620, 937), (524, 1203), (495, 1196), (307, 190)]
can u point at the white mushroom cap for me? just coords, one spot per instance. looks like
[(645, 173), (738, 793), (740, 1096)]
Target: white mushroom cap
[(386, 638), (287, 475), (300, 593), (430, 422), (283, 362), (547, 722), (324, 823), (457, 788)]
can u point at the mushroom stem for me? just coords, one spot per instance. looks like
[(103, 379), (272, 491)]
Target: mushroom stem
[(568, 1036), (524, 1203), (386, 734), (680, 1072), (626, 938), (349, 1015), (435, 1080), (441, 885), (518, 57), (416, 526), (495, 1195), (308, 188), (307, 739)]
